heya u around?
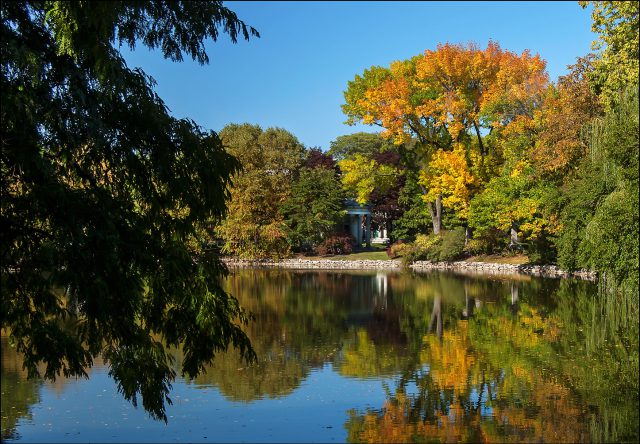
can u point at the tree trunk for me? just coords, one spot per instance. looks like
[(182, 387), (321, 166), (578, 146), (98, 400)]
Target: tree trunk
[(467, 234), (514, 235), (436, 316), (436, 216), (514, 299)]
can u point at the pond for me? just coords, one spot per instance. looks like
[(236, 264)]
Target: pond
[(374, 357)]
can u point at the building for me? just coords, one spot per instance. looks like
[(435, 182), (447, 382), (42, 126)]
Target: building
[(358, 224)]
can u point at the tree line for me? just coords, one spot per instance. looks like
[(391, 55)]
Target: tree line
[(478, 150)]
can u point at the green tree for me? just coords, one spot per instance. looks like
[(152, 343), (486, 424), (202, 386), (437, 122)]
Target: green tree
[(314, 209), (600, 203), (347, 146), (104, 195), (616, 69), (510, 202), (271, 160), (415, 217)]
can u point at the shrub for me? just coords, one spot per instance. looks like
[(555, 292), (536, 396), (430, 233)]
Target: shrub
[(447, 246), (428, 247), (397, 249), (425, 247), (489, 241), (336, 244), (452, 245)]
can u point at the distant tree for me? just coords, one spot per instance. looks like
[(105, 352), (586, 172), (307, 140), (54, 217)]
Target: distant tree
[(314, 209), (106, 197), (318, 159), (362, 175), (271, 160), (567, 110), (347, 146)]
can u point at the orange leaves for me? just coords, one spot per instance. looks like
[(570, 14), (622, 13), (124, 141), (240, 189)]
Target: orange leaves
[(389, 104), (460, 76), (475, 85), (455, 87), (521, 79), (565, 111)]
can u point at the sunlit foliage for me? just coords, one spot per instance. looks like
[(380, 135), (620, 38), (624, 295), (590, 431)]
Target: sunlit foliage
[(616, 68), (271, 160)]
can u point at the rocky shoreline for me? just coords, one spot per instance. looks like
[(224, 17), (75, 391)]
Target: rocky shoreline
[(459, 266)]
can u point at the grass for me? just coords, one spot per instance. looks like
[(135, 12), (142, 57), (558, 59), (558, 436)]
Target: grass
[(361, 256), (377, 252)]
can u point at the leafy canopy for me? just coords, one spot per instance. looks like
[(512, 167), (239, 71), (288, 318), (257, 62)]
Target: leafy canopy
[(445, 94), (314, 209), (106, 198), (361, 176), (271, 160), (616, 24)]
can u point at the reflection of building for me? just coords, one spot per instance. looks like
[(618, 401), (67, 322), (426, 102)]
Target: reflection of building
[(358, 224), (381, 287)]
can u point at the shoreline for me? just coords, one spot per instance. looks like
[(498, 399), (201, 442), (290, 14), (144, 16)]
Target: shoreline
[(551, 271)]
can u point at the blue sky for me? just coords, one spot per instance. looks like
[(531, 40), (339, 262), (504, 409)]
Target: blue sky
[(294, 76)]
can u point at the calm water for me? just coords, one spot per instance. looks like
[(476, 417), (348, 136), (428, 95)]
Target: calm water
[(376, 357)]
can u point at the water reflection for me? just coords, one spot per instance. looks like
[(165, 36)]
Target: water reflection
[(19, 394), (461, 358)]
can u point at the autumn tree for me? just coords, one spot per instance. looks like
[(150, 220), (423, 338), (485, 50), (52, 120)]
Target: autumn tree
[(446, 96), (561, 121), (449, 178), (270, 160), (362, 175), (105, 195)]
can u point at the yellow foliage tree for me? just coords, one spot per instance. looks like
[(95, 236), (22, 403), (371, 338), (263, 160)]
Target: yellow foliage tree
[(360, 176), (448, 175)]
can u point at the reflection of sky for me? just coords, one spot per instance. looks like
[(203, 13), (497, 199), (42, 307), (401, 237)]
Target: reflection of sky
[(474, 396), (92, 410), (413, 391)]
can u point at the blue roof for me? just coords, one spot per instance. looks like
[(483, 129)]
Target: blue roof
[(353, 205)]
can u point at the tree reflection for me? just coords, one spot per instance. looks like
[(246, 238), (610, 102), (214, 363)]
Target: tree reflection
[(470, 358), (501, 372), (19, 394)]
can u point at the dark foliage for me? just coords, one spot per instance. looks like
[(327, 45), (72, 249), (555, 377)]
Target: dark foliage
[(106, 197)]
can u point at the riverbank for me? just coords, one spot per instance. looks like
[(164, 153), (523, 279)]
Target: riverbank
[(459, 266)]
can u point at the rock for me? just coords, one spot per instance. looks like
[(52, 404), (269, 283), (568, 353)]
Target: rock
[(459, 266)]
